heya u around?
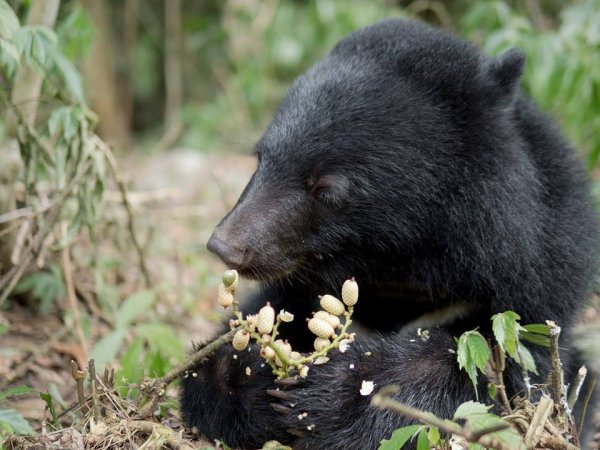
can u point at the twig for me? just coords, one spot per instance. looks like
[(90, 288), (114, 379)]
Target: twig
[(8, 229), (536, 427), (499, 364), (144, 426), (20, 241), (40, 260), (9, 281), (576, 386), (130, 218), (11, 278), (93, 388), (68, 275), (556, 375), (557, 443), (16, 214), (586, 401), (91, 304), (159, 387), (79, 376), (383, 401)]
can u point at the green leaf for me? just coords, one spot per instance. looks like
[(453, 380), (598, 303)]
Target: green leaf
[(106, 348), (509, 437), (50, 404), (476, 447), (538, 328), (399, 437), (44, 286), (16, 391), (7, 48), (492, 391), (536, 339), (162, 338), (135, 306), (132, 365), (469, 408), (423, 440), (9, 22), (528, 359), (15, 422), (63, 120), (70, 75), (479, 349), (473, 353), (56, 395), (505, 326), (537, 333), (434, 436), (37, 44)]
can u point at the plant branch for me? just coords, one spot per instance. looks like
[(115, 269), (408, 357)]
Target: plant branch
[(71, 296), (10, 279), (382, 400), (538, 421), (197, 357), (130, 217), (576, 386), (556, 375)]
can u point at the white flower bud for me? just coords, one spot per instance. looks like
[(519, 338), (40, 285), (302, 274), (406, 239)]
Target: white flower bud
[(320, 343), (266, 318), (224, 297), (267, 353), (240, 340), (350, 292), (332, 305), (320, 327)]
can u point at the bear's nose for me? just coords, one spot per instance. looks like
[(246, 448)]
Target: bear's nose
[(231, 255)]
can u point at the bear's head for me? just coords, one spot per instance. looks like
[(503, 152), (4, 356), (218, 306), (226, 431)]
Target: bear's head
[(355, 169)]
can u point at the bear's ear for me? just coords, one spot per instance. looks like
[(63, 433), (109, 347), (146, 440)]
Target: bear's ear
[(503, 72)]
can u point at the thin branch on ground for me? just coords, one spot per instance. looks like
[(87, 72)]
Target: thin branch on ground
[(10, 279), (382, 400), (158, 388), (538, 421), (576, 386), (588, 396), (71, 296), (112, 162)]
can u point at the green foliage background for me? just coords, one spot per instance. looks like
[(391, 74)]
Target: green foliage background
[(246, 74), (238, 57)]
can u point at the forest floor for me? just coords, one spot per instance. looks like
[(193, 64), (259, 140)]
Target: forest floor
[(177, 197)]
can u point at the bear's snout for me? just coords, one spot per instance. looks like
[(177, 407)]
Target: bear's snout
[(231, 254)]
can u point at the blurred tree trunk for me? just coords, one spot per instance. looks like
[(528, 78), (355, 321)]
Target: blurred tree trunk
[(101, 77), (173, 74), (25, 98), (130, 35)]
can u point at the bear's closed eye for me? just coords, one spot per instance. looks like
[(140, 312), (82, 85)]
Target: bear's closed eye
[(330, 189)]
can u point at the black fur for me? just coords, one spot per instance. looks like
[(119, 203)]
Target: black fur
[(410, 160)]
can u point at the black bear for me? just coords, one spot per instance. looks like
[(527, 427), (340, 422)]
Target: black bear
[(411, 161)]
